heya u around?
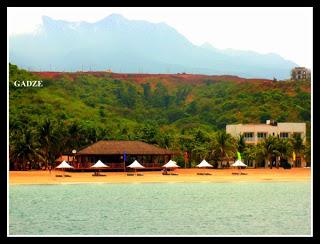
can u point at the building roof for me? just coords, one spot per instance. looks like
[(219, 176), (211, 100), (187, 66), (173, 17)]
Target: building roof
[(105, 147), (278, 124)]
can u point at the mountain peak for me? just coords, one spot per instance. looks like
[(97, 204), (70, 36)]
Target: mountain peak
[(113, 18), (49, 23), (46, 19)]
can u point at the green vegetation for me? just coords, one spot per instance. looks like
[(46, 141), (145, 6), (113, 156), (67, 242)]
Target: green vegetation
[(75, 110)]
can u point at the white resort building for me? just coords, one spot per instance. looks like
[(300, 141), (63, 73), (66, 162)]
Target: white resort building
[(254, 133)]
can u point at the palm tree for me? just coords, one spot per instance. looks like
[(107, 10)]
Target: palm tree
[(250, 154), (48, 142), (224, 145), (297, 146), (241, 143), (200, 151), (284, 149), (260, 153), (24, 150), (307, 152), (269, 149), (200, 145), (74, 132)]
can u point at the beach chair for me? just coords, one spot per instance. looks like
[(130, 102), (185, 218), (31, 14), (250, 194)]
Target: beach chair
[(207, 174), (130, 174), (139, 174), (58, 175), (200, 173)]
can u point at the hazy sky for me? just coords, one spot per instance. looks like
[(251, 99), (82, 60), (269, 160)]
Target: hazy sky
[(285, 31)]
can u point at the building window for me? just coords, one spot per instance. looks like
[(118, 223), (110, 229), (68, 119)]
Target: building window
[(261, 135), (284, 134), (248, 136)]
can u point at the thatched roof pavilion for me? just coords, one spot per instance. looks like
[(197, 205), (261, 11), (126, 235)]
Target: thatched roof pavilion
[(105, 147), (112, 154)]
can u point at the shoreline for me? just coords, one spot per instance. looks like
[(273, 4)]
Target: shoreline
[(40, 177)]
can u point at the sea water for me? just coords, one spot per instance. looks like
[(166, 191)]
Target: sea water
[(268, 208)]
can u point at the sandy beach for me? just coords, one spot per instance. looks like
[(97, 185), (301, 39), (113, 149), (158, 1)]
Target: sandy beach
[(184, 175)]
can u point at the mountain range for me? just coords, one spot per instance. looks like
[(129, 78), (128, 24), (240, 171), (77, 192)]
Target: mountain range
[(134, 46)]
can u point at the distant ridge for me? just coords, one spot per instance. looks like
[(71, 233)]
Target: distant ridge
[(134, 46)]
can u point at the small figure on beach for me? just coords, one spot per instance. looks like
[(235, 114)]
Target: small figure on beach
[(50, 167)]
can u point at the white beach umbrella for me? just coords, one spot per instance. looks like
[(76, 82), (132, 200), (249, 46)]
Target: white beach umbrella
[(239, 164), (204, 164), (99, 164), (171, 164), (136, 165), (64, 165)]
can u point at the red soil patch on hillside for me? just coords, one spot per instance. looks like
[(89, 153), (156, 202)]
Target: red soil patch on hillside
[(175, 78), (48, 74)]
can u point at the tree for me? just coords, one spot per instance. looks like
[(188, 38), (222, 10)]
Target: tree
[(224, 146), (25, 149), (284, 149), (48, 143), (192, 108), (182, 94), (297, 146), (270, 149), (307, 153), (160, 96), (74, 136), (249, 154), (186, 144), (147, 133), (200, 146), (260, 154), (167, 138), (200, 151), (146, 91), (241, 143), (90, 135)]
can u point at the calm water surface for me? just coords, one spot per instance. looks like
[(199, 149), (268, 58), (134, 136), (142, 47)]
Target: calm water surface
[(280, 208)]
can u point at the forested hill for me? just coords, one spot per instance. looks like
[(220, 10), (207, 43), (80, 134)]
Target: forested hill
[(118, 104)]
